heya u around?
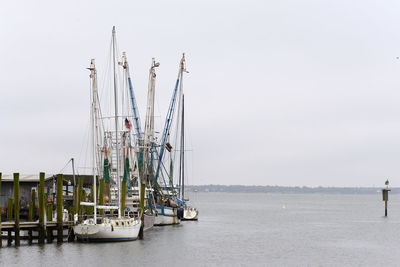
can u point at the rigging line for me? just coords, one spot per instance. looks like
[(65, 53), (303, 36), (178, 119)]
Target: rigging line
[(84, 141), (61, 171), (106, 70), (101, 113), (162, 175)]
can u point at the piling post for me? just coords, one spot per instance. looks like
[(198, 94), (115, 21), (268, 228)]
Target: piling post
[(90, 209), (60, 208), (49, 219), (385, 197), (10, 209), (84, 208), (9, 218), (142, 194), (33, 199), (80, 197), (41, 208), (49, 212), (123, 198), (76, 198), (30, 218), (16, 209), (1, 242), (101, 195)]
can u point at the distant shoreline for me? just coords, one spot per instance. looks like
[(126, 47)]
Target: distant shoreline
[(287, 189)]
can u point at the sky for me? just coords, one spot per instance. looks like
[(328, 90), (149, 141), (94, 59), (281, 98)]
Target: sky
[(292, 93)]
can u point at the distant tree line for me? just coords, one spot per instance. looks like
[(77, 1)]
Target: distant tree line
[(287, 189)]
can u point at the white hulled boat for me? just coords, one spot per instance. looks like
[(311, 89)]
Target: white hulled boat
[(110, 228)]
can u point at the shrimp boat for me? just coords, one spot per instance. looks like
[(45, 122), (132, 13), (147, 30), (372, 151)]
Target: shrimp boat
[(189, 213), (107, 228), (166, 197)]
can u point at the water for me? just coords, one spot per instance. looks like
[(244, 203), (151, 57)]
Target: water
[(247, 230)]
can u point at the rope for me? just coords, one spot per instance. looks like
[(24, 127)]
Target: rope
[(61, 171)]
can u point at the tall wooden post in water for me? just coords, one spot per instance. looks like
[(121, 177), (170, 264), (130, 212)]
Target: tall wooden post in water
[(9, 218), (33, 199), (30, 218), (41, 209), (1, 243), (60, 208), (10, 209), (16, 208), (142, 194), (385, 195), (101, 195), (80, 198)]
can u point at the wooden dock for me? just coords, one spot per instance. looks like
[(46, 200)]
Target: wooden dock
[(44, 226), (33, 225)]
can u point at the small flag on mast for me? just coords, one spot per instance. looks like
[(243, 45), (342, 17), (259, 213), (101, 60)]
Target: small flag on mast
[(128, 124)]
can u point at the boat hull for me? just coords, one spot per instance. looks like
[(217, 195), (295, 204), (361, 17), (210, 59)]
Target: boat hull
[(190, 214), (111, 231), (166, 216)]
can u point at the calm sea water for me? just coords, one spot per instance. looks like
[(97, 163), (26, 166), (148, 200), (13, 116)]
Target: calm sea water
[(247, 230)]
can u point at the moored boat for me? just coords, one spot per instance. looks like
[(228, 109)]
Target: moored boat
[(190, 214), (108, 229), (166, 215)]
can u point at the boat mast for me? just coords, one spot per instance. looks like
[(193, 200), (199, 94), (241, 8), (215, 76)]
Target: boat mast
[(136, 119), (182, 160), (169, 118), (94, 131), (149, 124), (116, 121)]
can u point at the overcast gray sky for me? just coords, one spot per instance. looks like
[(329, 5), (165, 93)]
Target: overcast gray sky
[(279, 92)]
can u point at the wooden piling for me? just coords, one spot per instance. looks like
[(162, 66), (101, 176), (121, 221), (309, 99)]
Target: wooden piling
[(9, 238), (90, 211), (385, 197), (101, 195), (33, 199), (10, 209), (9, 218), (49, 235), (49, 219), (385, 208), (84, 208), (1, 242), (49, 212), (123, 198), (76, 199), (41, 209), (80, 197), (60, 208), (142, 194), (30, 218), (16, 209)]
